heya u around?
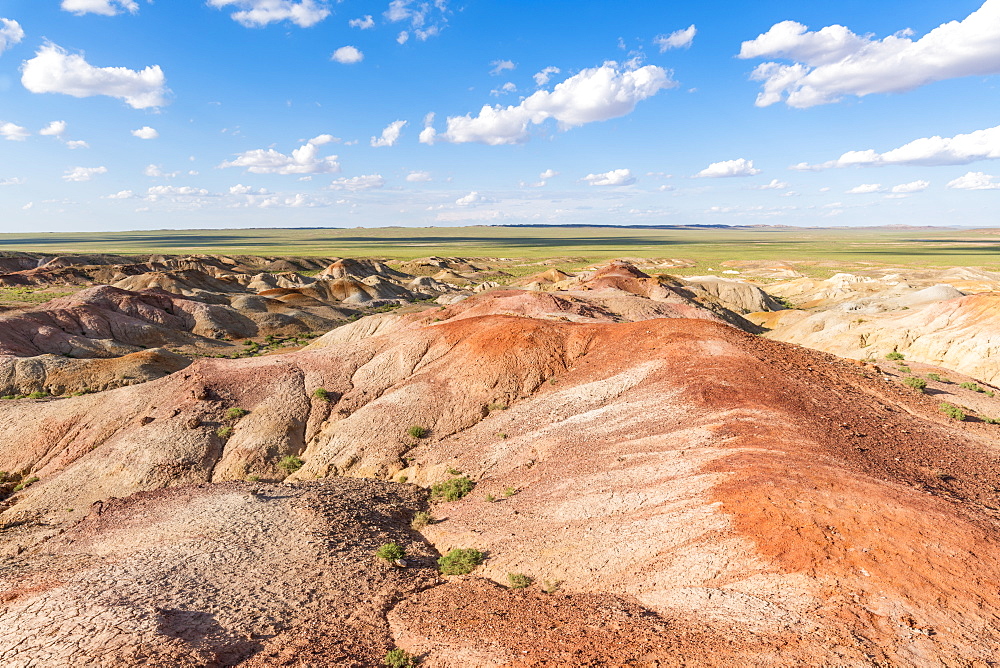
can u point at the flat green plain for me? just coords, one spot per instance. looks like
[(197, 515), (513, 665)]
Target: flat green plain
[(926, 247)]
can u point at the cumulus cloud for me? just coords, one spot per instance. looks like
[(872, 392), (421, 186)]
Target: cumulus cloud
[(54, 70), (542, 78), (80, 174), (678, 39), (13, 132), (958, 150), (403, 37), (834, 61), (616, 177), (418, 177), (390, 135), (866, 189), (728, 168), (595, 94), (77, 143), (509, 87), (11, 33), (499, 66), (54, 129), (145, 132), (548, 174), (473, 198), (258, 13), (775, 184), (364, 23), (103, 7), (121, 194), (910, 188), (319, 140), (357, 183), (975, 181), (347, 55), (426, 19), (303, 160)]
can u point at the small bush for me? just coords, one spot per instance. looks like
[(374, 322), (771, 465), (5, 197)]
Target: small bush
[(519, 580), (460, 561), (39, 395), (397, 658), (26, 483), (224, 432), (321, 393), (991, 420), (291, 463), (937, 378), (496, 407), (236, 413), (952, 411), (894, 356), (971, 386), (452, 490), (452, 471), (509, 492), (421, 519), (902, 368), (402, 479), (916, 383), (490, 498), (416, 431), (390, 552)]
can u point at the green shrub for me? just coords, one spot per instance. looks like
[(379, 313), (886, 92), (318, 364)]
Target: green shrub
[(39, 395), (397, 658), (490, 498), (509, 492), (26, 483), (952, 411), (519, 580), (452, 490), (291, 463), (902, 368), (390, 552), (402, 479), (224, 432), (971, 386), (991, 420), (452, 471), (421, 519), (916, 383), (321, 393), (416, 431), (894, 356), (460, 561), (236, 413)]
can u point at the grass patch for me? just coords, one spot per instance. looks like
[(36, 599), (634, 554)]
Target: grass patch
[(421, 519), (321, 394), (452, 490), (460, 561), (894, 356), (24, 484), (937, 378), (290, 463), (224, 431), (236, 413), (519, 580)]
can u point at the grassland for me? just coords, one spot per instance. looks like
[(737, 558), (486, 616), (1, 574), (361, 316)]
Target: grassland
[(573, 245)]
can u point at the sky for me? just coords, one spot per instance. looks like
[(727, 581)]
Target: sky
[(191, 114)]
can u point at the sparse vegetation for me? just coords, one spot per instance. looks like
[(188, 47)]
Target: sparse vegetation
[(460, 561), (990, 420), (509, 492), (453, 471), (236, 413), (971, 386), (784, 301), (39, 395), (390, 552), (321, 394), (421, 519), (291, 463), (453, 489), (224, 432), (496, 407), (490, 498), (894, 356), (519, 580), (916, 383), (902, 368), (402, 479), (952, 411), (24, 484), (551, 586), (416, 431), (397, 658), (937, 378)]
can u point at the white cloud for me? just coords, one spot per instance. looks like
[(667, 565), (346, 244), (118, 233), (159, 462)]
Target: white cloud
[(957, 150), (347, 55), (121, 194), (77, 143), (154, 193), (728, 168), (390, 135), (775, 184), (834, 62), (303, 160), (595, 94), (320, 140), (542, 78), (104, 7), (678, 39), (473, 198), (28, 206), (403, 37), (975, 181), (13, 132), (866, 189), (499, 66), (912, 187), (426, 19), (356, 183), (13, 181), (79, 174), (418, 177), (365, 23), (54, 129), (145, 132), (616, 177), (548, 174), (257, 13), (509, 87), (155, 171), (11, 33), (54, 70)]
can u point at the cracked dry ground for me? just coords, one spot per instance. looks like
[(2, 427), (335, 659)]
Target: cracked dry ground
[(702, 496)]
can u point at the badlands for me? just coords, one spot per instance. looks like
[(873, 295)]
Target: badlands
[(761, 466)]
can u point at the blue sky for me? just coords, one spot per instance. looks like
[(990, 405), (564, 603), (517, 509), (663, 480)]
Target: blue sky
[(133, 114)]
